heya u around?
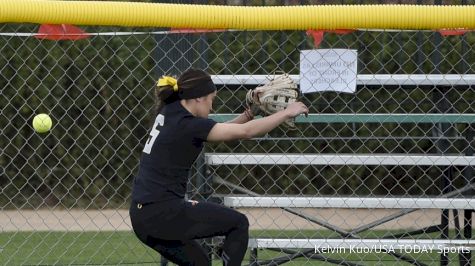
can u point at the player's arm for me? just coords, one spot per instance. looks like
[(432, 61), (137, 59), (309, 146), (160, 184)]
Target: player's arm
[(246, 116), (257, 127)]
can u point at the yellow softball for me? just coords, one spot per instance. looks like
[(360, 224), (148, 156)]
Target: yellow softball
[(42, 123)]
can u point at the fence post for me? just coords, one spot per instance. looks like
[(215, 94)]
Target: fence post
[(440, 130), (173, 54)]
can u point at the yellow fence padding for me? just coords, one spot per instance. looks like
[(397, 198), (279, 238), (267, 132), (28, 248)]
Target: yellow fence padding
[(107, 13)]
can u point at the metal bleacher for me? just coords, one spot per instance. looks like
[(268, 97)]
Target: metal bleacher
[(293, 248)]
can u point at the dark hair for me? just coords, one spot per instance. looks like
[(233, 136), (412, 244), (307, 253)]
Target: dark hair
[(190, 84)]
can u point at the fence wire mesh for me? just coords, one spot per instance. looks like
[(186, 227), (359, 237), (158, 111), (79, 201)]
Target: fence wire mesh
[(65, 193)]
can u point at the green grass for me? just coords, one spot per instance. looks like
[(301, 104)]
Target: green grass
[(81, 248), (123, 248)]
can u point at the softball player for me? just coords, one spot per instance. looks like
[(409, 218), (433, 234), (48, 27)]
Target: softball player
[(161, 217)]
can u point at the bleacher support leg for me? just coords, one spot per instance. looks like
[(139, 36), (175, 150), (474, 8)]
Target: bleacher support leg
[(444, 234), (253, 257), (466, 258)]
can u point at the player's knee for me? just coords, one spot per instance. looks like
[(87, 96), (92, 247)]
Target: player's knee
[(243, 221)]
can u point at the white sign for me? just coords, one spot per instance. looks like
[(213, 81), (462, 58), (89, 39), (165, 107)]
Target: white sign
[(328, 70)]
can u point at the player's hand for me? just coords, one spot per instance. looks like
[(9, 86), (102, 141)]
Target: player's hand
[(257, 92), (296, 108)]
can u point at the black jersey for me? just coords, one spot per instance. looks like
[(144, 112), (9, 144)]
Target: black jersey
[(175, 142)]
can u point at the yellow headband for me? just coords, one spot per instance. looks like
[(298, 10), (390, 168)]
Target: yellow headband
[(167, 80)]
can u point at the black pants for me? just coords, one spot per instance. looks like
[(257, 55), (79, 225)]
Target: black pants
[(171, 228)]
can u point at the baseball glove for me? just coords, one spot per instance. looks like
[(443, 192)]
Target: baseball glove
[(273, 97)]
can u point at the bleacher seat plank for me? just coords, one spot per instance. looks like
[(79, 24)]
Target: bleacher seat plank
[(337, 159), (435, 244), (361, 79), (350, 202)]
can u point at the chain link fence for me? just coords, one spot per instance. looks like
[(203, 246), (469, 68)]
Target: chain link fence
[(65, 193)]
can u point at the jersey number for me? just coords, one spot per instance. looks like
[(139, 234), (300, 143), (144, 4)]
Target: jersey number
[(154, 134)]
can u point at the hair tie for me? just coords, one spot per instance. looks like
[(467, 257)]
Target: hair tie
[(168, 81)]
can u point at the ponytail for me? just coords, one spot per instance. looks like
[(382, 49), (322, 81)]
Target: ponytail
[(166, 92)]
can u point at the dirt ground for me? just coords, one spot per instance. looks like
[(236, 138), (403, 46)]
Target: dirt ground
[(271, 218)]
